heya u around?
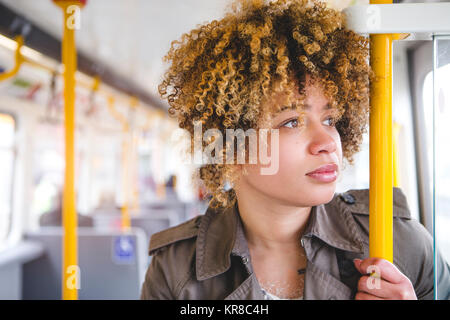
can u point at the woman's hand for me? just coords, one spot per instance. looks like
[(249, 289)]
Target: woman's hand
[(385, 283)]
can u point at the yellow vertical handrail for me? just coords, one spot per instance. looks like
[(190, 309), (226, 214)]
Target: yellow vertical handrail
[(381, 165), (70, 271), (134, 173), (134, 103), (125, 221), (18, 60)]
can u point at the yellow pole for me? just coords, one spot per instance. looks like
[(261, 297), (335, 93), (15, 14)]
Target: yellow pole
[(18, 59), (126, 223), (70, 271), (134, 103), (381, 165)]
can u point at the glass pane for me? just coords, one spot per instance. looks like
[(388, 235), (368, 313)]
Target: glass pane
[(441, 210), (7, 129), (48, 171), (356, 176)]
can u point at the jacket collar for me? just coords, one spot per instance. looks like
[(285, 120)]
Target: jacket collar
[(334, 224), (221, 234)]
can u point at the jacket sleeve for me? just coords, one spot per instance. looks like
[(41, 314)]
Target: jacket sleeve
[(156, 285), (443, 278), (419, 262), (424, 271)]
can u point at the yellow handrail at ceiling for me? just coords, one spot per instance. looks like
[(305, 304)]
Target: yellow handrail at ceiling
[(18, 60)]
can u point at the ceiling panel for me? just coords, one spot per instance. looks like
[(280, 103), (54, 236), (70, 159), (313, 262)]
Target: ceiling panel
[(132, 36)]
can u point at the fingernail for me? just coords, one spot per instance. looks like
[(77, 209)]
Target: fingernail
[(357, 260)]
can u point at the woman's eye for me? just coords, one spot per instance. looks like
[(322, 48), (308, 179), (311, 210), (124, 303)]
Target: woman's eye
[(329, 121), (291, 124)]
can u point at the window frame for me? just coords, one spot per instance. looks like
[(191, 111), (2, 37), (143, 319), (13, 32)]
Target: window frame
[(420, 63), (13, 175)]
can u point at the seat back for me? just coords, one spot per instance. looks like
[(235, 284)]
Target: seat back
[(112, 264)]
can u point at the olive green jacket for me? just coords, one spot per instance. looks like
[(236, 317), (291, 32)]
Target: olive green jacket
[(207, 257)]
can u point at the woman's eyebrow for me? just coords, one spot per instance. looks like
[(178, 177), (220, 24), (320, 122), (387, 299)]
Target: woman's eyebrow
[(292, 107), (325, 107), (307, 107)]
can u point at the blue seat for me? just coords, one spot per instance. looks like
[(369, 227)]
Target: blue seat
[(112, 264)]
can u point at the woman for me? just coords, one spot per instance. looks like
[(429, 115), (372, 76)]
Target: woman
[(293, 68)]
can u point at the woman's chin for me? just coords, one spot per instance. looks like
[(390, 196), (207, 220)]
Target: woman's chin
[(320, 194), (309, 198)]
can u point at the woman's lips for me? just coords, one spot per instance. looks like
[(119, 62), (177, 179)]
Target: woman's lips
[(326, 173)]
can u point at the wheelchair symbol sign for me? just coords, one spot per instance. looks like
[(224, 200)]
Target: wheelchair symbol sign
[(124, 249)]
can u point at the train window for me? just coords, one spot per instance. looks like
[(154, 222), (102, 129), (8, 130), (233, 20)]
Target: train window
[(437, 100), (48, 169), (7, 134), (357, 176), (442, 155), (101, 164)]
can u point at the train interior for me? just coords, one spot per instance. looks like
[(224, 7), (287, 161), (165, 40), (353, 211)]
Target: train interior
[(126, 156)]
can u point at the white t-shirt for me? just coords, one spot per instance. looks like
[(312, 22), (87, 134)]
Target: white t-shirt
[(269, 296)]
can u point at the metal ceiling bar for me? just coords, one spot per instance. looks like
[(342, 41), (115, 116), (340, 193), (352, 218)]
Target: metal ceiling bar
[(399, 18)]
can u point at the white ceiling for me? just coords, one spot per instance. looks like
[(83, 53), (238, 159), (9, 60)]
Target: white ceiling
[(131, 36)]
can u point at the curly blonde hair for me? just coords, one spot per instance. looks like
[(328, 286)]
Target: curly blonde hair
[(223, 73)]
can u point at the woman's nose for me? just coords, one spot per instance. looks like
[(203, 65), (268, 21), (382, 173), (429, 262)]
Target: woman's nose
[(321, 140)]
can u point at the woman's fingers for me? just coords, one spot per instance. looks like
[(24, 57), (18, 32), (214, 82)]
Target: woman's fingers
[(381, 267), (383, 280), (386, 290), (366, 296)]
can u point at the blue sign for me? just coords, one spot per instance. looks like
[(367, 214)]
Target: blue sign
[(124, 249)]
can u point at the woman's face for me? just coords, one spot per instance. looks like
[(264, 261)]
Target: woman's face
[(302, 150)]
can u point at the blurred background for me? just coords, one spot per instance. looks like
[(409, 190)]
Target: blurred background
[(126, 158)]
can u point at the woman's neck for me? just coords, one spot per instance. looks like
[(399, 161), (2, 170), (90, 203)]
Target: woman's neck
[(269, 224)]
